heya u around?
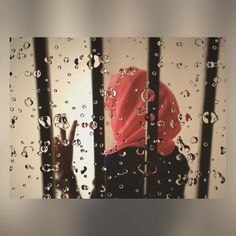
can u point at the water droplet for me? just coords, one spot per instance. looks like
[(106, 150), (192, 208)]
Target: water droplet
[(13, 121), (141, 111), (26, 45), (48, 60), (122, 154), (65, 143), (222, 150), (93, 125), (60, 121), (194, 140), (104, 71), (45, 121), (28, 102), (148, 95), (93, 61), (104, 59), (84, 187), (37, 73), (140, 151), (122, 71), (131, 71), (66, 59), (209, 117), (198, 42), (77, 142), (121, 186)]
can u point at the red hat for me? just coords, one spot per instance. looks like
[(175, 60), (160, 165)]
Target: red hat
[(125, 99)]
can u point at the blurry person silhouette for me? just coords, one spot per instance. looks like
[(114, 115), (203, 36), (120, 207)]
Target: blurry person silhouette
[(126, 102)]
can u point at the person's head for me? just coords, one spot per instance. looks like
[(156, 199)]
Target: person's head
[(126, 100)]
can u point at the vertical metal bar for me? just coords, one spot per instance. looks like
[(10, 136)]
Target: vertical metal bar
[(98, 112), (209, 105), (152, 115), (44, 99)]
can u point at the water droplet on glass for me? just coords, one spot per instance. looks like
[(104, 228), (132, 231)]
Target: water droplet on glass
[(28, 102), (77, 142), (93, 125), (104, 59), (84, 187), (148, 95), (209, 117), (45, 121), (198, 42), (26, 45), (194, 140), (66, 59), (104, 71), (60, 121), (37, 73), (48, 60), (28, 73)]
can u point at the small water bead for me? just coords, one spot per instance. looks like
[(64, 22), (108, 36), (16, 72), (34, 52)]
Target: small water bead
[(66, 60), (104, 71), (122, 71), (179, 157), (209, 117), (216, 80), (20, 55), (222, 150), (205, 144), (28, 73), (160, 64), (214, 47), (84, 187), (122, 154), (48, 60), (179, 44), (65, 143), (60, 121), (160, 43), (26, 45), (37, 73), (211, 64), (56, 46), (45, 121), (131, 71), (198, 42), (194, 140), (121, 186), (48, 187), (104, 59), (179, 65), (191, 157), (148, 95), (192, 181), (93, 125), (93, 61), (28, 102), (77, 142), (13, 121)]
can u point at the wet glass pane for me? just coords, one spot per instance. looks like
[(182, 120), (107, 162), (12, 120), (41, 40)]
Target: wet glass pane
[(152, 97)]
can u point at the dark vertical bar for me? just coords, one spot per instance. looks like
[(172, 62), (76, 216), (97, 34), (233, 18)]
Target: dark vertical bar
[(98, 112), (152, 115), (209, 105), (44, 98)]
